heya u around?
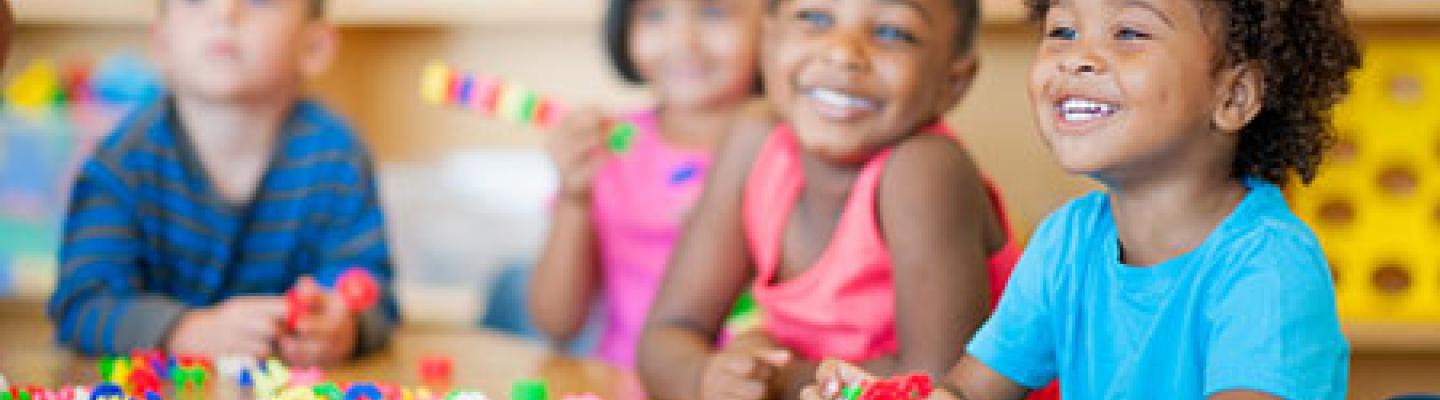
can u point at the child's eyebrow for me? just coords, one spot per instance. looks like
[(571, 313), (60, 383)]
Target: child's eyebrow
[(913, 5), (1148, 6)]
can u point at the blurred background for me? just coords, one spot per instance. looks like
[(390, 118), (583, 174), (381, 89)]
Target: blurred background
[(466, 196)]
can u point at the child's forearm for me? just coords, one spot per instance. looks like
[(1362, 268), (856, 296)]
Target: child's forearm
[(671, 361), (138, 322), (101, 240), (945, 394), (566, 278)]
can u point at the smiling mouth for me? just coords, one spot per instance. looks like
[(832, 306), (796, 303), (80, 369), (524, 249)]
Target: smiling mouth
[(1077, 109), (228, 50), (841, 104)]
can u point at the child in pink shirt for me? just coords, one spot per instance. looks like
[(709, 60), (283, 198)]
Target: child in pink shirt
[(617, 216), (861, 225)]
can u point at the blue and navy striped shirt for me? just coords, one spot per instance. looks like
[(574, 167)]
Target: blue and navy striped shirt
[(147, 236)]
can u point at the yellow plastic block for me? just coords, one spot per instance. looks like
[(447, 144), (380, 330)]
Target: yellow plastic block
[(37, 86), (1375, 204), (435, 83)]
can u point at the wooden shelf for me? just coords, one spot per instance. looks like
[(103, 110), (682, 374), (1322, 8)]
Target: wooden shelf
[(463, 12), (1393, 337), (467, 12), (343, 12), (1013, 11), (1394, 10), (83, 12), (1004, 11)]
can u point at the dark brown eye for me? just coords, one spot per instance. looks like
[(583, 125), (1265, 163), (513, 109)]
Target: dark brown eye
[(891, 33), (1131, 34), (815, 18), (1062, 33)]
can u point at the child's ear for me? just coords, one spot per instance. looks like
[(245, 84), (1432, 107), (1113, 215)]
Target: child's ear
[(1241, 96), (959, 77), (318, 51)]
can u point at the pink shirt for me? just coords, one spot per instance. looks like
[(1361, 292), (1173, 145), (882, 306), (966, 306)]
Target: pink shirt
[(640, 201), (844, 305)]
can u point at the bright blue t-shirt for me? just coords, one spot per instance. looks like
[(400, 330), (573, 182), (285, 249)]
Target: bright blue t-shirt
[(1252, 308)]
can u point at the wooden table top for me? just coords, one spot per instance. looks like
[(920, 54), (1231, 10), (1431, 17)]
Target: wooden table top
[(484, 361)]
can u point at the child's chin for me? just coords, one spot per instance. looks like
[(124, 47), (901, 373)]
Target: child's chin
[(834, 149), (695, 98), (1079, 165), (841, 155), (220, 90)]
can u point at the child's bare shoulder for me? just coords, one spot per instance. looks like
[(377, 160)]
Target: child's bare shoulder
[(747, 135), (754, 123), (932, 159)]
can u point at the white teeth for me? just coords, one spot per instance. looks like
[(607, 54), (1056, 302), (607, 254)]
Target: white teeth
[(1081, 110), (836, 98)]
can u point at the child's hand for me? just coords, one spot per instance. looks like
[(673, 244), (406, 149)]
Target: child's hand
[(325, 336), (753, 339), (742, 373), (575, 146), (832, 376), (239, 326)]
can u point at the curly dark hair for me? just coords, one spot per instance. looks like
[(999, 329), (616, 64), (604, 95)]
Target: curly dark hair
[(1306, 51)]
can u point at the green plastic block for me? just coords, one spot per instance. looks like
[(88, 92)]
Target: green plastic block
[(329, 390), (529, 389), (106, 365), (622, 136), (529, 107)]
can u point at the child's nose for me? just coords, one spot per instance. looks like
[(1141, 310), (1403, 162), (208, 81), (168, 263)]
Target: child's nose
[(847, 50), (1081, 59), (229, 11)]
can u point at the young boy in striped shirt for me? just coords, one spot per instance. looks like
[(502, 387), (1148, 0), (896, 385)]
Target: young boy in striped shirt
[(192, 220)]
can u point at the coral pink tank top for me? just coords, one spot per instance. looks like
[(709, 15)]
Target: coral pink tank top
[(844, 305)]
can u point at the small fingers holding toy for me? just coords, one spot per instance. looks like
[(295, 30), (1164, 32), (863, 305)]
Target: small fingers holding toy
[(832, 378), (239, 326), (327, 333), (742, 373), (838, 380), (576, 146)]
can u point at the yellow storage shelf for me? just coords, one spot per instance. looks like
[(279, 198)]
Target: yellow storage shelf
[(1376, 203)]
